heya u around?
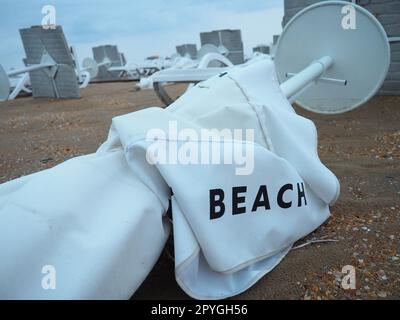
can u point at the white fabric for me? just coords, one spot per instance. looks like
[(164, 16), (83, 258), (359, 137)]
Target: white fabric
[(87, 217), (99, 219)]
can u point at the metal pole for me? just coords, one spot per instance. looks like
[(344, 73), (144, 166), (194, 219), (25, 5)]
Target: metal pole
[(30, 68), (103, 63), (314, 71), (290, 87)]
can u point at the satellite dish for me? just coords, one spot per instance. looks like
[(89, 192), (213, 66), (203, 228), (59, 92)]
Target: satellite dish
[(4, 85), (207, 48), (361, 56), (91, 66)]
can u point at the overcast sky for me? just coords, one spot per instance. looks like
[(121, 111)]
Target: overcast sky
[(139, 28)]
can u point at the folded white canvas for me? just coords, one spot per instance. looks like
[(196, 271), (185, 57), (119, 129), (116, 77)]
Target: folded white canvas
[(100, 219)]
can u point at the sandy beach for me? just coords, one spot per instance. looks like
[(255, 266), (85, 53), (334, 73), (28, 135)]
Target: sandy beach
[(361, 147)]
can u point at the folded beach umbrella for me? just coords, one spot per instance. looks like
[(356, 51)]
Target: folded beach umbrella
[(232, 223), (99, 220), (231, 158)]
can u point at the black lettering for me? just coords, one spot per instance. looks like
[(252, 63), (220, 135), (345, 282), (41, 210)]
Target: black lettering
[(262, 199), (301, 194), (236, 200), (217, 203), (281, 203)]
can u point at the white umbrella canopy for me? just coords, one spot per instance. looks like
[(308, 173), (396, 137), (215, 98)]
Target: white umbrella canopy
[(100, 219)]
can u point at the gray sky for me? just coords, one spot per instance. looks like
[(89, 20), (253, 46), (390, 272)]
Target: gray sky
[(139, 28)]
